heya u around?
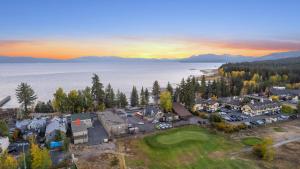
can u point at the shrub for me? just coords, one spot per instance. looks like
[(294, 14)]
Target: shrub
[(287, 109), (215, 118), (203, 115), (264, 150)]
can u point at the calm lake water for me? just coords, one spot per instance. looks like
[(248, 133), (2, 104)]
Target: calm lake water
[(45, 78)]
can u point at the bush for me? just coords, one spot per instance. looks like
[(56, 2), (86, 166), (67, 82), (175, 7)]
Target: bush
[(287, 109), (264, 150), (215, 118), (203, 115)]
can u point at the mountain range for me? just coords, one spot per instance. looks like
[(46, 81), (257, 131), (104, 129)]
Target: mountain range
[(226, 58)]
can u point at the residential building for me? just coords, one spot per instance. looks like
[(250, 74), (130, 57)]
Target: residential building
[(79, 132), (84, 118), (207, 105), (113, 124), (56, 124), (260, 108), (80, 123)]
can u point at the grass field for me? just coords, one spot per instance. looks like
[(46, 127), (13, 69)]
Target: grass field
[(186, 148), (251, 141)]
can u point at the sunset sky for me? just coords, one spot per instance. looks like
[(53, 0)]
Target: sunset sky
[(147, 29)]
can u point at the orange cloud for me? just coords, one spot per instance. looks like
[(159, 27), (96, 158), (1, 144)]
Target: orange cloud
[(162, 47)]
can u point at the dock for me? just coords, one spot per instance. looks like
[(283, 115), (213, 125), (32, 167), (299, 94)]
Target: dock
[(4, 101)]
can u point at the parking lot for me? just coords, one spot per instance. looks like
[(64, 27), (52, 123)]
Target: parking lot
[(143, 125), (237, 117)]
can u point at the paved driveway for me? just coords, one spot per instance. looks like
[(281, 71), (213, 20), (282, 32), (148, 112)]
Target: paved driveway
[(96, 133)]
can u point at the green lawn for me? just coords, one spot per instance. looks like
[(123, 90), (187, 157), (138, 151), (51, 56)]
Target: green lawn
[(186, 148), (251, 141)]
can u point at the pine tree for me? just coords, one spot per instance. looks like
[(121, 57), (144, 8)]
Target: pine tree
[(97, 91), (25, 95), (203, 85), (170, 88), (134, 99), (109, 97), (156, 91), (147, 96), (142, 97)]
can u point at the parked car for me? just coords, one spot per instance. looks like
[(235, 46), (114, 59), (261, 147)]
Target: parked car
[(293, 117)]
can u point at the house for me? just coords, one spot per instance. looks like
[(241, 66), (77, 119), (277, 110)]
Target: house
[(285, 94), (79, 131), (4, 143), (260, 108), (207, 105), (151, 110), (181, 111), (22, 125), (80, 123), (55, 124), (37, 124), (84, 118), (233, 103), (113, 124)]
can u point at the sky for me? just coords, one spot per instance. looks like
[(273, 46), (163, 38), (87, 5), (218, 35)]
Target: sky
[(147, 29)]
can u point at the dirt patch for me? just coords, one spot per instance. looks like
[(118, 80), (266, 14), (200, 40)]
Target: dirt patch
[(101, 156), (287, 156), (103, 161)]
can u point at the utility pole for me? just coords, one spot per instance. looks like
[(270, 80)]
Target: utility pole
[(23, 144)]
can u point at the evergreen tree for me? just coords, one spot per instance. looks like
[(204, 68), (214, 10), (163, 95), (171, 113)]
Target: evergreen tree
[(147, 96), (170, 88), (203, 85), (123, 100), (26, 96), (97, 92), (134, 99), (156, 91), (142, 97), (109, 97)]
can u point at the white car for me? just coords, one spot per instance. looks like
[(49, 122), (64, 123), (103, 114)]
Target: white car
[(141, 123)]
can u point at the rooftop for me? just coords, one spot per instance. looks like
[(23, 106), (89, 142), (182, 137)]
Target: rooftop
[(78, 127), (181, 110), (81, 116), (110, 117)]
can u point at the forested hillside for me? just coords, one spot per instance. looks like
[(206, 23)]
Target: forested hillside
[(287, 70)]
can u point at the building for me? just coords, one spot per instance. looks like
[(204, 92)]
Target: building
[(260, 108), (80, 123), (55, 125), (80, 132), (285, 94), (84, 118), (113, 124), (181, 111), (151, 110), (207, 105), (4, 143), (233, 103), (37, 124)]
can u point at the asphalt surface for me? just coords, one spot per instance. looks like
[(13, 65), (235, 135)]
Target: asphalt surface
[(96, 133)]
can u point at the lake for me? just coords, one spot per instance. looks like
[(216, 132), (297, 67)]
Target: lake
[(45, 78)]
